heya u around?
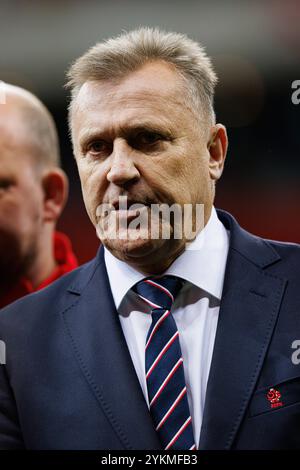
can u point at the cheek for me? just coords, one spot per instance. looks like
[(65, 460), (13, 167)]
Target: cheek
[(20, 215), (93, 183), (164, 171), (174, 175), (10, 214), (31, 213), (189, 178)]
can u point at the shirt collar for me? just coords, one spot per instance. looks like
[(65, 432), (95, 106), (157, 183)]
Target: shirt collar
[(208, 252)]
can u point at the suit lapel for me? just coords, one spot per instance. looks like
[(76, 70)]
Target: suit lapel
[(248, 312), (99, 345)]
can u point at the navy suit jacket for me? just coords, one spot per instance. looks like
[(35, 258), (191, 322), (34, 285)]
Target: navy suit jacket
[(69, 381)]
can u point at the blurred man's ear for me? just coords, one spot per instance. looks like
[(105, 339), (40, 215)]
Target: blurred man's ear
[(217, 147), (55, 187)]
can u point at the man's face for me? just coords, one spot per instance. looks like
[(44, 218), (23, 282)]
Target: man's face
[(21, 197), (138, 138)]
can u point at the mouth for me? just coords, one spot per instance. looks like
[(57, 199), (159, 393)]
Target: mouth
[(124, 212), (126, 206)]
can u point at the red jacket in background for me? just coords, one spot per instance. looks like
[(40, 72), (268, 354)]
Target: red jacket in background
[(65, 259)]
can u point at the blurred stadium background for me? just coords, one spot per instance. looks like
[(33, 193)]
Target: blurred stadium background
[(255, 46)]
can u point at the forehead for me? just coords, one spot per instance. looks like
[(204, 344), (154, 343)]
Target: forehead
[(15, 145), (13, 126), (156, 88)]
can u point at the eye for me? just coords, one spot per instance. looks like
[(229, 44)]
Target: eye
[(99, 147), (148, 138), (5, 184)]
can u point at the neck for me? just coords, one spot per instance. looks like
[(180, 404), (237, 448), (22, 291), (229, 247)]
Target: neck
[(156, 265), (35, 266), (44, 262)]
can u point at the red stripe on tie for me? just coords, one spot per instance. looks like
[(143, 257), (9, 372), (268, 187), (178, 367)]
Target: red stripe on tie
[(165, 315), (178, 434), (162, 352), (173, 407), (165, 382), (152, 304), (162, 288)]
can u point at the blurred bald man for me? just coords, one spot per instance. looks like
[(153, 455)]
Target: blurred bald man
[(33, 192)]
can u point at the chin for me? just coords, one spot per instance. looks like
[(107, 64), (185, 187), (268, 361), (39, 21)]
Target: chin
[(133, 246)]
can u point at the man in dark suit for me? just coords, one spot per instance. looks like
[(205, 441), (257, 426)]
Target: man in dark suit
[(160, 342)]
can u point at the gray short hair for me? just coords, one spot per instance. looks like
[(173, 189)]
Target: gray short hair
[(117, 57)]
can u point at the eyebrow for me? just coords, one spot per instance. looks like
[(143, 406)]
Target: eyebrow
[(125, 131)]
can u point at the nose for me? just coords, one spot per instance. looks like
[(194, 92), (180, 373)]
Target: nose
[(122, 169)]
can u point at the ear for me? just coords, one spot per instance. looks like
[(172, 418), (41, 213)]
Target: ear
[(217, 148), (55, 187)]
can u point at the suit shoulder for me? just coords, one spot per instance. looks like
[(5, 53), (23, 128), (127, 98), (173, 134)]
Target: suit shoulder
[(285, 248), (289, 254)]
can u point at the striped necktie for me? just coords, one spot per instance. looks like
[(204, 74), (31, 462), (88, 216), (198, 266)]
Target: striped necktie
[(166, 386)]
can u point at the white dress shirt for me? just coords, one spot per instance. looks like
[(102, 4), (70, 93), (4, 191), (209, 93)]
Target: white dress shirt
[(195, 310)]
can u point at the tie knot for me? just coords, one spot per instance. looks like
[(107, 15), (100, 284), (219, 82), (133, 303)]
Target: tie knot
[(159, 292)]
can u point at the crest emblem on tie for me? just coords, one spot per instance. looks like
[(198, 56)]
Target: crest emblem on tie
[(274, 396)]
